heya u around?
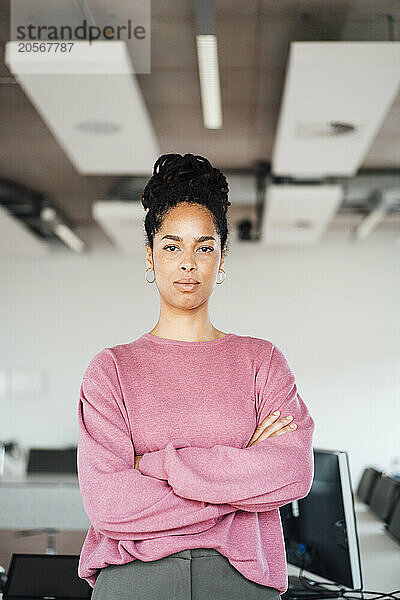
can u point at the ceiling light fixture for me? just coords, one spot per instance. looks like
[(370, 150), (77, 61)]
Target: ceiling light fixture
[(380, 203), (207, 57), (61, 230)]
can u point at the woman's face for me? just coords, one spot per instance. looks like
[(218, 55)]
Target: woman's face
[(178, 253)]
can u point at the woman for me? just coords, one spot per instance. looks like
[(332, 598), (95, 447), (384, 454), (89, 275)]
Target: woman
[(183, 461)]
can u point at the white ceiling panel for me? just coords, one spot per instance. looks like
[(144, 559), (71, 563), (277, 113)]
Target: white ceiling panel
[(92, 103), (298, 215), (350, 83), (123, 223)]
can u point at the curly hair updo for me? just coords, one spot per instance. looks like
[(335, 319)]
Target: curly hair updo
[(188, 178)]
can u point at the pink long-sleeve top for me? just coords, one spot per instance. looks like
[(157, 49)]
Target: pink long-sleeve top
[(190, 409)]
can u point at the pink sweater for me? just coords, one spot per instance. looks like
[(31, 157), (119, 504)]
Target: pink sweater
[(190, 408)]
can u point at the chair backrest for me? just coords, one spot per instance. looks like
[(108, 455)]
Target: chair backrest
[(384, 496), (52, 460), (367, 482), (393, 527)]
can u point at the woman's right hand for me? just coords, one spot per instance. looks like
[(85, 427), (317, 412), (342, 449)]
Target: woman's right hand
[(270, 426)]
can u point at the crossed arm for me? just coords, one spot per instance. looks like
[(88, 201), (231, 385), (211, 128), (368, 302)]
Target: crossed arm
[(183, 489), (264, 476), (120, 502)]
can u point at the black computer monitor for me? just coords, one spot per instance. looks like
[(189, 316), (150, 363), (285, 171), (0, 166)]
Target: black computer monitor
[(53, 576), (320, 530)]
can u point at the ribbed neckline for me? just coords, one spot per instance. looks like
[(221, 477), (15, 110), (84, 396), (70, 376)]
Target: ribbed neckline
[(168, 341)]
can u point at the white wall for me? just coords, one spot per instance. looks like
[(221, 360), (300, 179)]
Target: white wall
[(333, 310)]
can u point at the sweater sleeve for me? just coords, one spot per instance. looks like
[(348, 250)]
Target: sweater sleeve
[(264, 476), (120, 502)]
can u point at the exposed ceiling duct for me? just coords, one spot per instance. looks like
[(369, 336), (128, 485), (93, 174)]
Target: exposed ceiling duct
[(295, 214)]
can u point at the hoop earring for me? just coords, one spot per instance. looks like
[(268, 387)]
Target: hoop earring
[(145, 275), (218, 282)]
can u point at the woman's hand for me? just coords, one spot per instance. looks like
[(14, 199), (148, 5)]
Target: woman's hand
[(271, 426), (137, 461)]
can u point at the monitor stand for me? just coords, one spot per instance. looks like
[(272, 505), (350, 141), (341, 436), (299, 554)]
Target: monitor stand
[(297, 590)]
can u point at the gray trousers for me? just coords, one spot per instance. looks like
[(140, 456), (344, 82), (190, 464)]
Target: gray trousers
[(197, 574)]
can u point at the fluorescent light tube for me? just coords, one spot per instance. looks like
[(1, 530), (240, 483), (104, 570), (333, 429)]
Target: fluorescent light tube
[(207, 56)]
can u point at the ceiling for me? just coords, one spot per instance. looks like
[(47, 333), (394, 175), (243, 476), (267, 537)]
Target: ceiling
[(253, 45)]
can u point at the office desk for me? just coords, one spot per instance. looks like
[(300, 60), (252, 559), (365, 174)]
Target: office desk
[(55, 501), (42, 500)]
